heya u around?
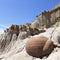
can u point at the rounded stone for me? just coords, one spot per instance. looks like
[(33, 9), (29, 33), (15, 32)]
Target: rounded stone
[(39, 46)]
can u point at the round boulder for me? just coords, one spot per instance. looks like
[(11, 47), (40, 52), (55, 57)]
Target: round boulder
[(39, 46)]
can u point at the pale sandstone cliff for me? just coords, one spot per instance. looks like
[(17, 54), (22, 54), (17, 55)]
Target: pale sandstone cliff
[(13, 40)]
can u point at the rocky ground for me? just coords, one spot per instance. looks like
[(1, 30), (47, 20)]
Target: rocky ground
[(13, 42)]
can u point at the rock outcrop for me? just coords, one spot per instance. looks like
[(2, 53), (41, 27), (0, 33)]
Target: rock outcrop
[(33, 41), (47, 18), (24, 28)]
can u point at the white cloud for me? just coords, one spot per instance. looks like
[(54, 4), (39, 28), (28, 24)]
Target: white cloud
[(3, 25), (2, 28), (1, 31)]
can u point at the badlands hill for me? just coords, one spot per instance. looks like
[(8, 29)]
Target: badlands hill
[(14, 43)]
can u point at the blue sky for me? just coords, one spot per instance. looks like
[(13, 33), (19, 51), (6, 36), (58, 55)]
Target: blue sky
[(22, 11)]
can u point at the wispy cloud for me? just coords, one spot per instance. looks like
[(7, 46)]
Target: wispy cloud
[(1, 31), (2, 28), (3, 25)]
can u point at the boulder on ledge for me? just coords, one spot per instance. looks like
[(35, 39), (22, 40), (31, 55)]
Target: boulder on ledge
[(39, 46)]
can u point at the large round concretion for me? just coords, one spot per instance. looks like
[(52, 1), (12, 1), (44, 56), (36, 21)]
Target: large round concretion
[(39, 46)]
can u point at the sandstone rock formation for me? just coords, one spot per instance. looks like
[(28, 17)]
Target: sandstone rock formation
[(39, 46), (54, 56), (24, 28), (47, 18), (35, 37), (23, 35)]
